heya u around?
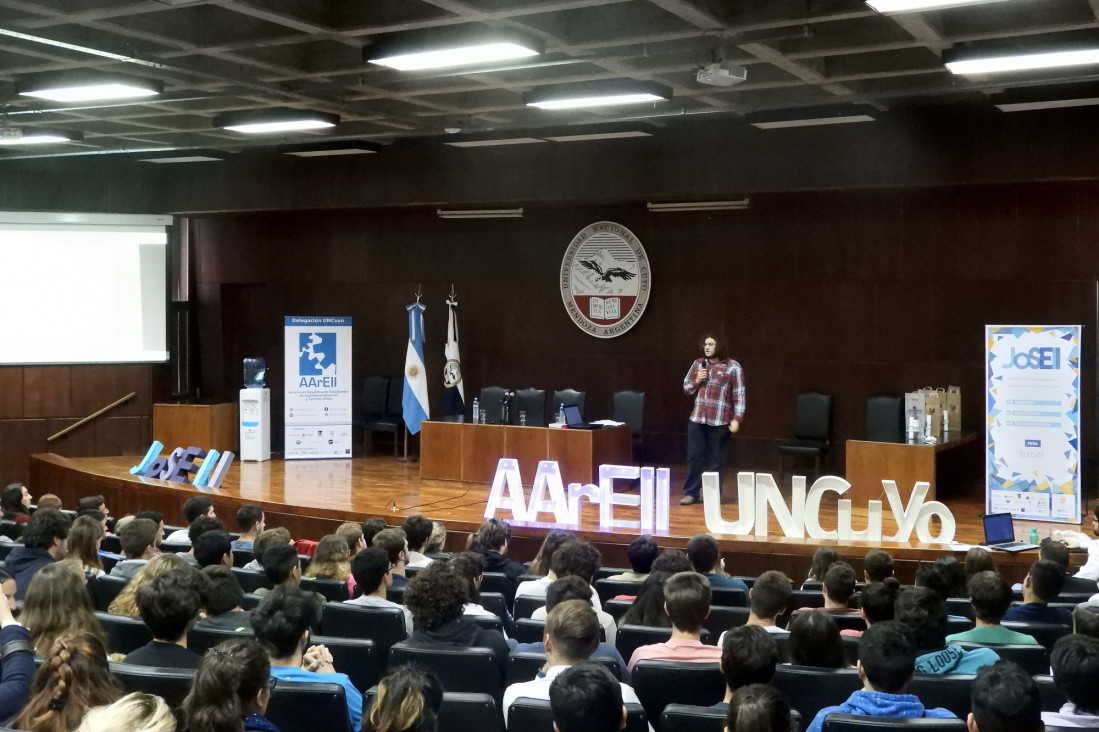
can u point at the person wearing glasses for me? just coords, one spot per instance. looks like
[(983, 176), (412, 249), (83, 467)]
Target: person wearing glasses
[(232, 686), (373, 572)]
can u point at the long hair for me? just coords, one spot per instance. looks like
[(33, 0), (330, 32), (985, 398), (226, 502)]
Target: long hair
[(73, 678), (126, 602), (470, 567), (135, 712), (408, 701), (57, 604), (84, 542), (332, 560), (823, 558), (648, 608), (11, 501), (228, 678), (541, 563)]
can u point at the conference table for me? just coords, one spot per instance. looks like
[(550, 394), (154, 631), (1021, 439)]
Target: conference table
[(470, 452), (870, 462)]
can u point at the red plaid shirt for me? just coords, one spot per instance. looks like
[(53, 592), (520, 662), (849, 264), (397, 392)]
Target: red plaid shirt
[(720, 398)]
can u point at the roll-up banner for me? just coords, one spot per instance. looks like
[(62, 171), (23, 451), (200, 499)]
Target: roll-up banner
[(1033, 421), (318, 387)]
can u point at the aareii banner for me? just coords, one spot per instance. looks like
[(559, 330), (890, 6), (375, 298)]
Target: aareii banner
[(318, 408)]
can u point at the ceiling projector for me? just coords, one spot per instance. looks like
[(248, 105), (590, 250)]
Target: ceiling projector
[(721, 74)]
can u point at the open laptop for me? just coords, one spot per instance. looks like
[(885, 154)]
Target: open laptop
[(575, 421), (1000, 534)]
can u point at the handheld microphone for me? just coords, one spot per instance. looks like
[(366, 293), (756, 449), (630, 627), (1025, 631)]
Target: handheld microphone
[(704, 363)]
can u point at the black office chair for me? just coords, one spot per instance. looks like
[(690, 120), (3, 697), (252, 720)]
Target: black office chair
[(383, 625), (106, 589), (533, 402), (811, 689), (660, 683), (525, 630), (885, 418), (473, 670), (306, 705), (123, 634), (861, 723), (170, 684), (526, 605), (1045, 633), (812, 430), (628, 406), (631, 637), (950, 691), (608, 589), (525, 665), (373, 413), (1033, 659), (689, 718), (356, 657), (569, 396), (492, 403), (332, 589), (534, 715), (251, 581)]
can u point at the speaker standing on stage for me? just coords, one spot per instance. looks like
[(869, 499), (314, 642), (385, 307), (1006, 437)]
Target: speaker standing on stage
[(718, 382)]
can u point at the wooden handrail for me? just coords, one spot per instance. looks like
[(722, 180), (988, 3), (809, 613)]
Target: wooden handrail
[(91, 416)]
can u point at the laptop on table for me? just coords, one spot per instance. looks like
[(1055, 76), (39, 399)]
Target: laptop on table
[(575, 421), (1000, 534)]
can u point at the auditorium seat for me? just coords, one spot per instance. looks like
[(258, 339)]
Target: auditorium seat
[(812, 431), (1052, 697), (806, 598), (201, 639), (11, 529), (174, 548), (608, 589), (617, 608), (170, 684), (333, 590), (728, 597), (459, 669), (628, 406), (533, 402), (525, 665), (608, 572), (960, 606), (383, 625), (525, 630), (487, 622), (1045, 633), (499, 582), (950, 691), (459, 712), (251, 581), (812, 689), (846, 621), (106, 588), (722, 619), (251, 601), (5, 549), (863, 723), (111, 544), (357, 657), (495, 603), (958, 625), (492, 402), (569, 396), (1033, 659), (660, 683), (242, 557), (690, 718), (109, 559), (525, 606), (123, 634), (296, 705), (535, 715)]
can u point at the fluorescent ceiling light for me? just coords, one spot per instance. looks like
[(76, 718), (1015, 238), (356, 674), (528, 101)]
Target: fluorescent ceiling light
[(493, 143), (331, 149), (448, 48), (84, 86), (599, 136), (1050, 104), (608, 100), (275, 119), (698, 206), (182, 159), (484, 213), (330, 153), (597, 94), (1026, 53), (812, 122), (17, 136), (910, 6), (1024, 62), (448, 58)]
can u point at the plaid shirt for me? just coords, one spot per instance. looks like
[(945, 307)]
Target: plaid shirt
[(720, 398)]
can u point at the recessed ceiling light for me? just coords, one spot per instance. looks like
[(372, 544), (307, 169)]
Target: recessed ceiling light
[(911, 6), (418, 50), (493, 143), (184, 156), (597, 94), (840, 114), (599, 136), (25, 136), (275, 119), (812, 122), (329, 149), (84, 86)]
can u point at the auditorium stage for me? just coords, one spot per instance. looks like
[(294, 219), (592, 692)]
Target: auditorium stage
[(311, 497)]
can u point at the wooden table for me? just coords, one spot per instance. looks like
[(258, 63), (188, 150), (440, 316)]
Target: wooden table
[(869, 463), (207, 426), (470, 452)]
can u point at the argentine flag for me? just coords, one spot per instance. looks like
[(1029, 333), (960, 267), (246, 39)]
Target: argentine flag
[(454, 396), (414, 401)]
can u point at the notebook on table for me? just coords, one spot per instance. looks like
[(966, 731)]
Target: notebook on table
[(1000, 534)]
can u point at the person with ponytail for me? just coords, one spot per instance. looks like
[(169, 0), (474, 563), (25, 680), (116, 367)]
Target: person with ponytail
[(408, 701), (73, 678), (231, 689), (759, 708)]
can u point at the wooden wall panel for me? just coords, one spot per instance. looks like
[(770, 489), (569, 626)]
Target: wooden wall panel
[(11, 392), (47, 391)]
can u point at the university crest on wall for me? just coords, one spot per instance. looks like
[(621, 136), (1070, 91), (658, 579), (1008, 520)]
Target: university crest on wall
[(605, 279)]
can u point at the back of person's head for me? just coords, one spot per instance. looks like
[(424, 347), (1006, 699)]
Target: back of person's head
[(554, 540), (770, 594), (822, 560), (279, 562), (642, 552), (573, 629), (1085, 620), (332, 559), (417, 530), (990, 595), (954, 573), (228, 678), (1046, 579), (878, 564), (89, 502), (371, 528), (576, 559), (493, 534), (57, 603), (934, 578), (352, 533), (839, 582), (879, 599), (815, 640), (155, 516), (437, 540), (672, 561), (84, 541), (196, 506), (759, 708), (704, 553), (248, 516), (170, 604), (49, 500), (45, 526), (748, 656), (1075, 663), (924, 612), (470, 567), (137, 536), (565, 589), (978, 559), (135, 712), (408, 700), (648, 608), (73, 678), (435, 596), (126, 602), (201, 525), (212, 547), (267, 539), (687, 597), (1054, 551), (223, 592), (93, 513), (887, 656), (369, 568), (393, 541), (586, 698), (1005, 699), (282, 618)]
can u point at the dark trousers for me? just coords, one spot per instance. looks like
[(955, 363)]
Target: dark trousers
[(706, 448)]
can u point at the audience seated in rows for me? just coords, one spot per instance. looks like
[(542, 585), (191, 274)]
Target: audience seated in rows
[(923, 611), (213, 549), (492, 541), (57, 605), (282, 621), (572, 635), (768, 599), (877, 566), (408, 700), (815, 640), (641, 553), (352, 533), (85, 536), (250, 524), (749, 655), (267, 539), (540, 566), (93, 503), (417, 530), (942, 578), (579, 559), (706, 559), (1005, 698), (135, 712), (72, 679), (138, 539), (200, 526), (169, 607), (990, 596), (585, 697), (1042, 585), (224, 602), (687, 597), (876, 603), (157, 518), (195, 508), (231, 689), (648, 607), (1075, 663), (759, 708), (394, 543), (373, 575), (45, 541), (17, 658), (332, 560), (15, 503), (823, 558)]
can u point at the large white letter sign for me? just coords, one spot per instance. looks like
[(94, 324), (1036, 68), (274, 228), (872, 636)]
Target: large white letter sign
[(608, 499), (711, 505), (548, 476), (923, 523), (791, 519), (872, 532), (906, 516), (821, 486), (507, 475), (576, 492)]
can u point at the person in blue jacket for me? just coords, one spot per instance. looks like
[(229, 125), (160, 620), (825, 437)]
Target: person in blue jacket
[(16, 654)]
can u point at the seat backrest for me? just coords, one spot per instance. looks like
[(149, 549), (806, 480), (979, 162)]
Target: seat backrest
[(242, 557), (609, 588), (525, 605), (383, 625), (356, 657), (251, 581), (5, 550), (251, 601), (375, 394), (463, 712), (813, 416), (170, 684), (107, 588), (629, 406), (569, 396), (806, 598), (487, 622), (617, 608), (533, 402), (525, 630), (535, 715), (11, 529), (1034, 659), (958, 624), (201, 638), (631, 637), (492, 400), (960, 606), (846, 621), (722, 618), (862, 723), (1052, 697), (123, 634), (393, 407), (951, 691), (1045, 633), (728, 597), (306, 705), (494, 602), (333, 590), (690, 718), (499, 582), (885, 418), (525, 665), (660, 683), (812, 689), (459, 669)]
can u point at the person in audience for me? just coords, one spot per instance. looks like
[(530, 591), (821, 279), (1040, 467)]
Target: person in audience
[(373, 574), (574, 559), (332, 560), (72, 679), (923, 611), (408, 700), (371, 528), (540, 565), (648, 608), (283, 621), (576, 585), (822, 560), (267, 538), (838, 589), (85, 537), (1085, 620), (977, 560), (15, 503), (877, 565), (231, 689), (250, 524), (156, 517), (169, 606), (815, 640), (1042, 585), (687, 598), (45, 541), (93, 503), (470, 567), (119, 523), (436, 541), (135, 712), (395, 544), (954, 572), (283, 567), (58, 604), (1075, 663), (673, 561), (749, 655), (352, 533), (572, 635), (200, 526), (886, 665), (7, 585), (1056, 551), (563, 590), (138, 539), (1005, 699), (990, 595), (642, 552), (224, 602), (17, 658), (417, 530), (877, 602), (214, 548), (586, 698), (935, 577), (126, 602), (98, 516), (759, 708), (193, 509), (436, 596), (492, 541), (705, 556), (768, 599), (49, 500)]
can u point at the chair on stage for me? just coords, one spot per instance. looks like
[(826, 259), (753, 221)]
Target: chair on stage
[(533, 402), (885, 418), (812, 430), (492, 403), (374, 415), (568, 396), (628, 406)]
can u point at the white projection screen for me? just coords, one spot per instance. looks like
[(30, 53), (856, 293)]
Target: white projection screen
[(83, 288)]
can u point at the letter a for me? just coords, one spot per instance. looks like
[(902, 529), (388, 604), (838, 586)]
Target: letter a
[(507, 475)]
